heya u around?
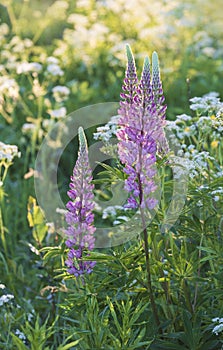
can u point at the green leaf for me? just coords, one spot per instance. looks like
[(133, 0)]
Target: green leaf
[(98, 257), (36, 220), (68, 346), (18, 342)]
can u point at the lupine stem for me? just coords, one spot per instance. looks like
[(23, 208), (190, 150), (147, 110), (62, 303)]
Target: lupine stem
[(146, 249), (149, 281)]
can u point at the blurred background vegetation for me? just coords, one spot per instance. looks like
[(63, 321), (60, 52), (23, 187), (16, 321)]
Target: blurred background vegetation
[(80, 45), (89, 38)]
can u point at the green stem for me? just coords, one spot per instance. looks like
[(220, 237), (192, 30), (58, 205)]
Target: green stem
[(149, 281), (2, 232)]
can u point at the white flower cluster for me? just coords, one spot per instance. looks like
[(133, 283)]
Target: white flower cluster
[(60, 93), (187, 133), (105, 133), (53, 67), (196, 161), (217, 193), (20, 334), (218, 328), (8, 152), (9, 87), (58, 113), (112, 213), (4, 299), (28, 128), (206, 103), (180, 128), (27, 67)]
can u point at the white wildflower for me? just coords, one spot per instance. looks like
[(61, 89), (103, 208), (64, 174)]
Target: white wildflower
[(78, 19), (103, 133), (28, 127), (30, 317), (209, 51), (26, 67), (58, 113), (4, 299), (111, 211), (218, 191), (9, 87), (54, 69), (218, 329), (4, 29), (20, 334), (8, 152), (183, 117), (116, 222), (106, 132), (52, 60), (60, 93)]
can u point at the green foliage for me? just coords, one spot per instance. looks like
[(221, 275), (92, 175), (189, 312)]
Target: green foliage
[(36, 221), (42, 307)]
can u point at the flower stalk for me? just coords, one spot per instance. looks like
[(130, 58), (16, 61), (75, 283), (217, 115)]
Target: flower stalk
[(79, 216), (141, 136)]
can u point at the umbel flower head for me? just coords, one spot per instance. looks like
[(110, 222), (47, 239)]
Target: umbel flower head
[(141, 130), (79, 216)]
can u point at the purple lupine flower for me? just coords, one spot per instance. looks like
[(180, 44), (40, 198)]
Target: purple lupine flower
[(137, 151), (141, 132), (79, 216)]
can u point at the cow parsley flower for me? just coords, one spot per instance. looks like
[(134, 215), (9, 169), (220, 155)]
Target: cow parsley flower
[(79, 216)]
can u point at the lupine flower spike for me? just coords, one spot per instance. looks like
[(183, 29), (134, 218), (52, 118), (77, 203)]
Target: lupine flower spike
[(141, 135), (79, 216), (141, 130)]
